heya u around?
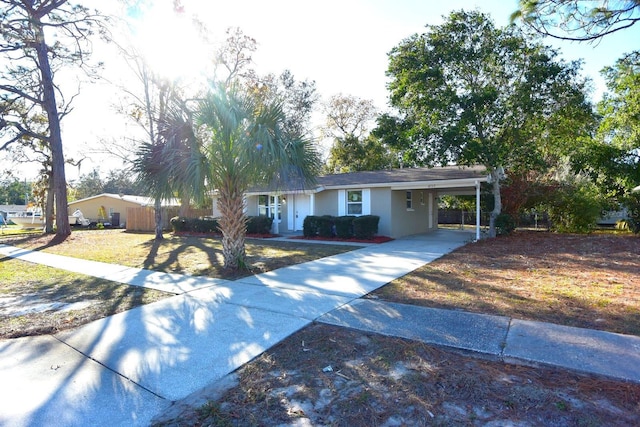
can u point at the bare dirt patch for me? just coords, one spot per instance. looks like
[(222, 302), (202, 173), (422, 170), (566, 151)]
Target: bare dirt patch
[(585, 281), (37, 300), (383, 381)]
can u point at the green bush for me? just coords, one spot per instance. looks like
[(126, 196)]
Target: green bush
[(325, 226), (259, 224), (632, 202), (505, 224), (178, 224), (365, 226), (310, 226), (573, 208), (194, 225), (204, 225), (344, 226)]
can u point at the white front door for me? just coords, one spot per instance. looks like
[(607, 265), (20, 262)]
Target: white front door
[(301, 209)]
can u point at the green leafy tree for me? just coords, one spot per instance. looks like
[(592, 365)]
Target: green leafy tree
[(89, 185), (348, 121), (14, 191), (619, 131), (246, 145), (37, 38), (578, 20), (120, 182), (470, 93), (612, 157), (350, 154)]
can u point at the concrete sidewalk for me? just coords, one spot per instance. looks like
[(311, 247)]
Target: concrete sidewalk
[(127, 368), (513, 341)]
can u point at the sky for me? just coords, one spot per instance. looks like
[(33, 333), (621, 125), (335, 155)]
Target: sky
[(342, 45)]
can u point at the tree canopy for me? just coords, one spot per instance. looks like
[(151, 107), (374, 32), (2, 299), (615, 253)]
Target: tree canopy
[(579, 20), (470, 93), (612, 158)]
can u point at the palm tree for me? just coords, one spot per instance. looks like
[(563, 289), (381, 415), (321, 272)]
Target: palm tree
[(245, 145)]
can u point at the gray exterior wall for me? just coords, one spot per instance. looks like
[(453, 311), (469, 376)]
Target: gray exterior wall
[(327, 203), (406, 222), (381, 206)]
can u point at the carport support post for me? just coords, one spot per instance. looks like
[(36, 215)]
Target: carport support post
[(477, 211)]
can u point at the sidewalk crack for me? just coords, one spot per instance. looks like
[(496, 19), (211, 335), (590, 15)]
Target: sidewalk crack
[(110, 369)]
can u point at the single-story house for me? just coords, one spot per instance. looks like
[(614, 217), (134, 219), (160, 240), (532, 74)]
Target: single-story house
[(6, 210), (404, 199), (104, 207)]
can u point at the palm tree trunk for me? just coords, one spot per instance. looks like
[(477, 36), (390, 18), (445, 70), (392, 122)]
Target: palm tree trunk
[(233, 226), (157, 209)]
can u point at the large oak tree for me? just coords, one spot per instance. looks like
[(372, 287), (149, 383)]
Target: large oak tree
[(470, 93)]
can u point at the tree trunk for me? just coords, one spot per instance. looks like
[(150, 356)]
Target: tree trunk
[(55, 138), (184, 205), (233, 226), (158, 218), (48, 206), (496, 177)]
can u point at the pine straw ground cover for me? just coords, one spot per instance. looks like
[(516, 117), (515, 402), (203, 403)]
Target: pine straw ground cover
[(578, 280), (587, 281)]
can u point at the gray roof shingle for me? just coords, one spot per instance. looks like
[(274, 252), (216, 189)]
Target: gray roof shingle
[(407, 175)]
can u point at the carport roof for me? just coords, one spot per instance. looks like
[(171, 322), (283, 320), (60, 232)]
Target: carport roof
[(408, 176)]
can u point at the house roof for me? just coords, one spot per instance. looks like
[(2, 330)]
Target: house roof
[(404, 176), (397, 179), (13, 208), (138, 200)]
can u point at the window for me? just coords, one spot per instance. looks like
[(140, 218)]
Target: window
[(409, 200), (354, 202), (263, 205), (267, 206)]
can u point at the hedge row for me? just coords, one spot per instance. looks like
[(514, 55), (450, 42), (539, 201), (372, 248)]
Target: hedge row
[(344, 227), (194, 225), (255, 225)]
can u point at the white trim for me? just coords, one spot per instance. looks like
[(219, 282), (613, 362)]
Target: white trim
[(342, 202), (366, 201), (312, 204), (477, 210), (291, 220)]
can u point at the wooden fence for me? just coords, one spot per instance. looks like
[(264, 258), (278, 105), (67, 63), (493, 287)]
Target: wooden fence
[(143, 219)]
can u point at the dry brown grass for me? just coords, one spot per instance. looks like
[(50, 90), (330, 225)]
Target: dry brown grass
[(36, 299), (589, 281), (199, 256)]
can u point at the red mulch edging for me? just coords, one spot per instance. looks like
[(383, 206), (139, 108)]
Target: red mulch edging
[(376, 239), (192, 234)]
